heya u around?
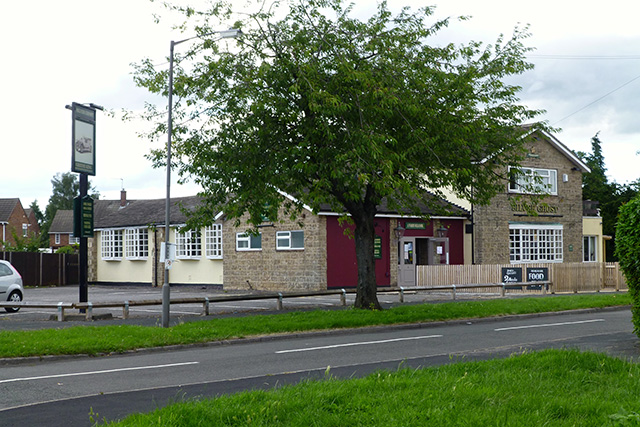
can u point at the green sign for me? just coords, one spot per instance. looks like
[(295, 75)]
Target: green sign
[(377, 247), (83, 217), (415, 225)]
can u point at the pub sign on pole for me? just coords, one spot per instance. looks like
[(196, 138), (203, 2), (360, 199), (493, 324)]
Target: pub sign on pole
[(83, 138), (83, 216)]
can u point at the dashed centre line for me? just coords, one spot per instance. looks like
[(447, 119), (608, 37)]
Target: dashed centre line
[(106, 371), (547, 325), (353, 344)]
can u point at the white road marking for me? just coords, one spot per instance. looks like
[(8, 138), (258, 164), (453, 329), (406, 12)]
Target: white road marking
[(295, 350), (107, 371), (547, 325)]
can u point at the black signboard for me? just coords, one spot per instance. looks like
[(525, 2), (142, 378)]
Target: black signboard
[(537, 274), (511, 274)]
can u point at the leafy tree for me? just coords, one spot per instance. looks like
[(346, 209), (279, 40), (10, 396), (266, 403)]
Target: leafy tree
[(37, 212), (65, 187), (22, 244), (628, 251), (332, 109), (610, 195)]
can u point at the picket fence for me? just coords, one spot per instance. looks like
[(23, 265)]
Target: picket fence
[(565, 277)]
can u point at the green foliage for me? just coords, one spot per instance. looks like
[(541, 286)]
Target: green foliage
[(628, 252), (548, 388), (340, 111), (65, 187), (70, 249), (610, 195), (37, 211), (23, 244)]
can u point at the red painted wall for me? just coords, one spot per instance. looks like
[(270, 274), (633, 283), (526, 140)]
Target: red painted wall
[(455, 235), (342, 269)]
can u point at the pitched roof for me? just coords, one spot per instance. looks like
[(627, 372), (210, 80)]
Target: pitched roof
[(573, 158), (429, 205), (62, 222), (135, 213), (6, 208)]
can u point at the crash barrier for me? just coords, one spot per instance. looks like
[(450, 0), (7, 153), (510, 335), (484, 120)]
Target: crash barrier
[(87, 307)]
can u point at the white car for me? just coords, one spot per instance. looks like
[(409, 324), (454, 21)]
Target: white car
[(11, 289)]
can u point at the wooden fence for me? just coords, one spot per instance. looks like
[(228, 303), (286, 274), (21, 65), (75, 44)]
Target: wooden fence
[(40, 269), (566, 277)]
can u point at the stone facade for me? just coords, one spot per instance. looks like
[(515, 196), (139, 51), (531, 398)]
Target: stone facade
[(277, 270), (491, 229)]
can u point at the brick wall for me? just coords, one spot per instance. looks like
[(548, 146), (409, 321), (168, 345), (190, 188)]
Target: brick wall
[(15, 221), (491, 234), (277, 270)]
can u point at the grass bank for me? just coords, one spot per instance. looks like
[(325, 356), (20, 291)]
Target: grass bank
[(106, 339), (558, 388)]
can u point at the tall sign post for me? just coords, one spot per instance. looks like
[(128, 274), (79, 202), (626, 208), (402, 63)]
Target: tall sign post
[(83, 161)]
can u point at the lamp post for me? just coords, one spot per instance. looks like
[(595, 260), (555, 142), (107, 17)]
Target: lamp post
[(166, 289)]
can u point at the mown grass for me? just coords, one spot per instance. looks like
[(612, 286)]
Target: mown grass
[(106, 339), (549, 388)]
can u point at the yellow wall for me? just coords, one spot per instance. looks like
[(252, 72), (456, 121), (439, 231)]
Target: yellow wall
[(592, 226), (191, 271)]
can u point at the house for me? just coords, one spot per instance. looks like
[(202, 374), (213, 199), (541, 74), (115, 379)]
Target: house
[(319, 254), (283, 256), (14, 222), (593, 240), (539, 216), (537, 219), (61, 230), (126, 247)]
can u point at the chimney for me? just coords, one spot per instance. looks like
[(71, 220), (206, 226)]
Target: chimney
[(123, 198)]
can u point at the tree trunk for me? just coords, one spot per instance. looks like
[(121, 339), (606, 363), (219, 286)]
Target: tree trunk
[(366, 291)]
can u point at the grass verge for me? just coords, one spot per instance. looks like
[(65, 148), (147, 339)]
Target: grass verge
[(552, 387), (106, 339)]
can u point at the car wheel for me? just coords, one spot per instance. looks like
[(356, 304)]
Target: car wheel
[(15, 296)]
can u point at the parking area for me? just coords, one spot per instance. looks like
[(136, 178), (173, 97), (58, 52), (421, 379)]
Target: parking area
[(33, 318)]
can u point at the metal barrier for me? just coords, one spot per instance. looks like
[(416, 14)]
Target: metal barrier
[(87, 307)]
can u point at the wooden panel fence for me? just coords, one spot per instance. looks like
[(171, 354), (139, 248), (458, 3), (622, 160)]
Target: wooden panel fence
[(566, 277)]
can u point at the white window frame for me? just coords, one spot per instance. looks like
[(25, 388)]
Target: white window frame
[(188, 245), (74, 240), (213, 241), (532, 243), (112, 244), (137, 243), (248, 242), (590, 248), (533, 181), (25, 230), (57, 238), (285, 240)]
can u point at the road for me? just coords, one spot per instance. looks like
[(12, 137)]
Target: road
[(62, 392)]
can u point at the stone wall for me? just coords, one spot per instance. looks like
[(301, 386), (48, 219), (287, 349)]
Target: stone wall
[(491, 230), (277, 270)]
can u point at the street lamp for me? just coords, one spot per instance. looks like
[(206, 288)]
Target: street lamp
[(166, 290)]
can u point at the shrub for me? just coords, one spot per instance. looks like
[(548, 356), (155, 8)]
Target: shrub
[(628, 252)]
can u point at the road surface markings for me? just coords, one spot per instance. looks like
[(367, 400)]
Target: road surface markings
[(106, 371), (326, 347), (547, 325)]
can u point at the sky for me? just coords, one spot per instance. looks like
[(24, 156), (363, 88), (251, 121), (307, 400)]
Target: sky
[(586, 77)]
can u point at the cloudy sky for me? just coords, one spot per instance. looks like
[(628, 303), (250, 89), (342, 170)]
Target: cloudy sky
[(587, 78)]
